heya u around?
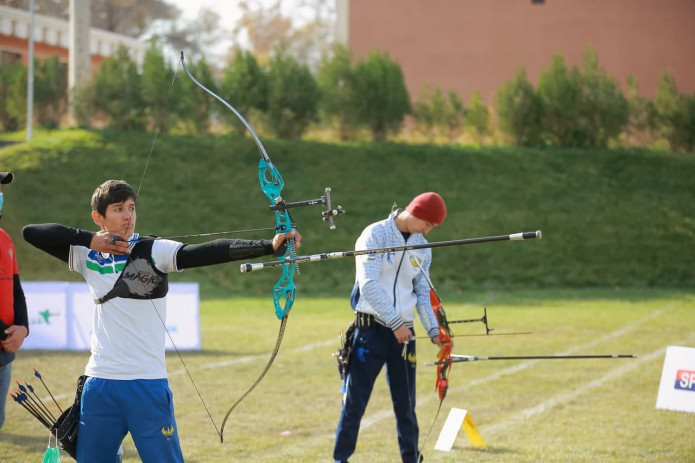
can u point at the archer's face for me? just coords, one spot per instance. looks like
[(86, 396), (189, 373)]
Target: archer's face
[(120, 218), (416, 225)]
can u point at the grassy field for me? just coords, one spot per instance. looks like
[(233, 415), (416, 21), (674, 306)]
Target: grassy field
[(526, 411), (613, 274)]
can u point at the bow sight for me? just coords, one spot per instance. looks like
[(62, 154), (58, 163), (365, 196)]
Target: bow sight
[(327, 214)]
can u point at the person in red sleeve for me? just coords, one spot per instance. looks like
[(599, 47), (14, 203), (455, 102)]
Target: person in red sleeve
[(14, 322)]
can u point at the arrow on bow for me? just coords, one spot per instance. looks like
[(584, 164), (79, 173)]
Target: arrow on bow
[(271, 184), (472, 358), (252, 267)]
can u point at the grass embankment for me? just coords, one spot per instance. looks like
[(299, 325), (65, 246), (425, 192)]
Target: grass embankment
[(609, 218)]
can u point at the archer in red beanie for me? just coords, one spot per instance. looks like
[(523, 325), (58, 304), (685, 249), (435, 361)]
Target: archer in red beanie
[(429, 207), (389, 288)]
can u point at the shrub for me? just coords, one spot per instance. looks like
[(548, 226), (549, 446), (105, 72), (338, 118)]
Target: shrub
[(118, 92), (50, 89), (156, 89), (245, 86), (603, 112), (13, 94), (519, 110), (384, 100), (478, 117), (336, 82), (292, 97), (675, 114)]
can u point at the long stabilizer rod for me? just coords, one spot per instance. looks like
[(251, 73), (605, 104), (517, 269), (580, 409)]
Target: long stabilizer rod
[(246, 268), (473, 358)]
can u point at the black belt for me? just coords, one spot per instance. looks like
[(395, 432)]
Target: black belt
[(364, 320)]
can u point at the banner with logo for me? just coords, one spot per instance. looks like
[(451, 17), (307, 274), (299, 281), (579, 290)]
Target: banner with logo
[(47, 308), (677, 387), (60, 315)]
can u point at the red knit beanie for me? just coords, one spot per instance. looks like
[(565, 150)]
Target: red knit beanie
[(429, 207)]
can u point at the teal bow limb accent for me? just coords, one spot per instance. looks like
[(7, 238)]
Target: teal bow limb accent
[(284, 291), (272, 184)]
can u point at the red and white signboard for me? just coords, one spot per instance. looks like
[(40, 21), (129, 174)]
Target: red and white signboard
[(677, 388)]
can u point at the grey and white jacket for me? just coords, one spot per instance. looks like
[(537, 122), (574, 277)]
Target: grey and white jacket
[(392, 284)]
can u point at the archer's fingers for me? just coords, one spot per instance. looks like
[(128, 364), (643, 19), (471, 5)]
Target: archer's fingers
[(295, 236)]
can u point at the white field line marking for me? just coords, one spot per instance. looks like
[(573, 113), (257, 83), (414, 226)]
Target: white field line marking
[(255, 357), (207, 366), (383, 414), (523, 366), (523, 415), (371, 420)]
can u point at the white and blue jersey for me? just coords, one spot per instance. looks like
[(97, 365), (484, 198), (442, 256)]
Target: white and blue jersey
[(128, 335)]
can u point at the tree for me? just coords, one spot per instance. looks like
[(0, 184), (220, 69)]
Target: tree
[(194, 106), (455, 116), (641, 111), (675, 114), (336, 82), (429, 112), (118, 92), (478, 116), (13, 95), (195, 36), (519, 110), (438, 115), (383, 99), (292, 96), (157, 75), (604, 109), (306, 35), (50, 89), (560, 92), (245, 86)]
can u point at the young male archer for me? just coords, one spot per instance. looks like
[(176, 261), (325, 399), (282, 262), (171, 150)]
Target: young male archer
[(127, 388)]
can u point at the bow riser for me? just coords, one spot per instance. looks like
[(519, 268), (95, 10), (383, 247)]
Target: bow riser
[(444, 355), (271, 183)]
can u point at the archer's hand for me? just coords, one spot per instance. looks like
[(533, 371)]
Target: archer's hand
[(15, 337), (441, 344), (402, 334), (112, 243), (281, 237)]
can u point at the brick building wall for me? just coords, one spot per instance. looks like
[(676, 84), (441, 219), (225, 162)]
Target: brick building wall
[(469, 45)]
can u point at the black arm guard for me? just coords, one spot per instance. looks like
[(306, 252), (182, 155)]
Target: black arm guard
[(220, 252)]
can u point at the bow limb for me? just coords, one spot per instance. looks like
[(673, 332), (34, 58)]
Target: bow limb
[(271, 184), (444, 355)]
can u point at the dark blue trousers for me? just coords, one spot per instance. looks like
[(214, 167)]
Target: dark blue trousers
[(112, 408), (372, 348)]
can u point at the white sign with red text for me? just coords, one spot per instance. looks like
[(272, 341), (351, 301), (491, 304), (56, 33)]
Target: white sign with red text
[(677, 387)]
